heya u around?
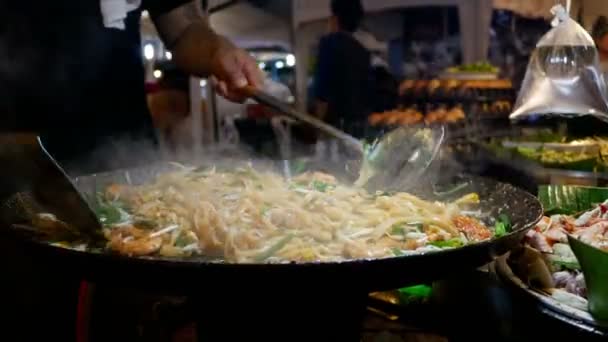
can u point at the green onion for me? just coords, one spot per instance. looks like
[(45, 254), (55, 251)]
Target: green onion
[(419, 225), (109, 212), (264, 209), (272, 250), (452, 243), (183, 240), (502, 226), (506, 220), (397, 252), (398, 229), (320, 186), (500, 229), (298, 167)]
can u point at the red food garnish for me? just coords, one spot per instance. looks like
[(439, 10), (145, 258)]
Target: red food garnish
[(603, 208), (472, 228)]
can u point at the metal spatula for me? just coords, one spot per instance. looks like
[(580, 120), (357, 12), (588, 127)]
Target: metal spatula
[(40, 185), (405, 153)]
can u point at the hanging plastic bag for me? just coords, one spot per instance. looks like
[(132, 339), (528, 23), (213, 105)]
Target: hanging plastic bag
[(563, 76)]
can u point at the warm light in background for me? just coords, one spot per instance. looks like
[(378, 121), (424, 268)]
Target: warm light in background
[(149, 51), (158, 74), (290, 60), (145, 14), (168, 55)]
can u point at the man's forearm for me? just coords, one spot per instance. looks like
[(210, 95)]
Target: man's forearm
[(195, 49), (190, 38)]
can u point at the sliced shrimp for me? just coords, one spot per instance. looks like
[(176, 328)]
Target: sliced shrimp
[(596, 235), (129, 240), (538, 241), (472, 228)]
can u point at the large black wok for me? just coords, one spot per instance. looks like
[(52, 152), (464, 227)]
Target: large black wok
[(311, 301)]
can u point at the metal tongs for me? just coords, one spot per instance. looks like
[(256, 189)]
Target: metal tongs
[(276, 104), (395, 161)]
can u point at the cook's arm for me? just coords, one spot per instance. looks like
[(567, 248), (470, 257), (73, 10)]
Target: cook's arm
[(199, 50)]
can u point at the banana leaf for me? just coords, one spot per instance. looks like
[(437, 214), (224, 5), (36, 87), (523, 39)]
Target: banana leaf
[(594, 263), (570, 199)]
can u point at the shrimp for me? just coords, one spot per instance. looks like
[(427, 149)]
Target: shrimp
[(117, 191), (596, 235), (472, 228), (538, 241), (132, 241)]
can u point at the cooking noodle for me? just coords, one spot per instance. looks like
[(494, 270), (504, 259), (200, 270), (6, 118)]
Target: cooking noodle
[(251, 216)]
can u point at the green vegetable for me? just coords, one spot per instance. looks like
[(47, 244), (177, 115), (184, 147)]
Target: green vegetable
[(400, 228), (500, 229), (502, 226), (183, 240), (397, 252), (570, 199), (504, 218), (452, 243), (298, 167), (320, 186), (109, 212), (272, 250), (264, 209)]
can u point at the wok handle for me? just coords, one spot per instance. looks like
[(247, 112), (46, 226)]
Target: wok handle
[(274, 103)]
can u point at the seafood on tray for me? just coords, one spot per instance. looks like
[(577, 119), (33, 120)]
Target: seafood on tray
[(246, 215), (550, 237)]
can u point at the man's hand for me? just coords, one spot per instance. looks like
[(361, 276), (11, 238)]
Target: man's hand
[(198, 50), (232, 69)]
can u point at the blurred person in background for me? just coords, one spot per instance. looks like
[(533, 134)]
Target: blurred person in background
[(72, 72), (343, 74), (599, 32)]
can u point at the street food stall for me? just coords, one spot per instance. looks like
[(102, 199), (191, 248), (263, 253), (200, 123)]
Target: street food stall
[(506, 218)]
